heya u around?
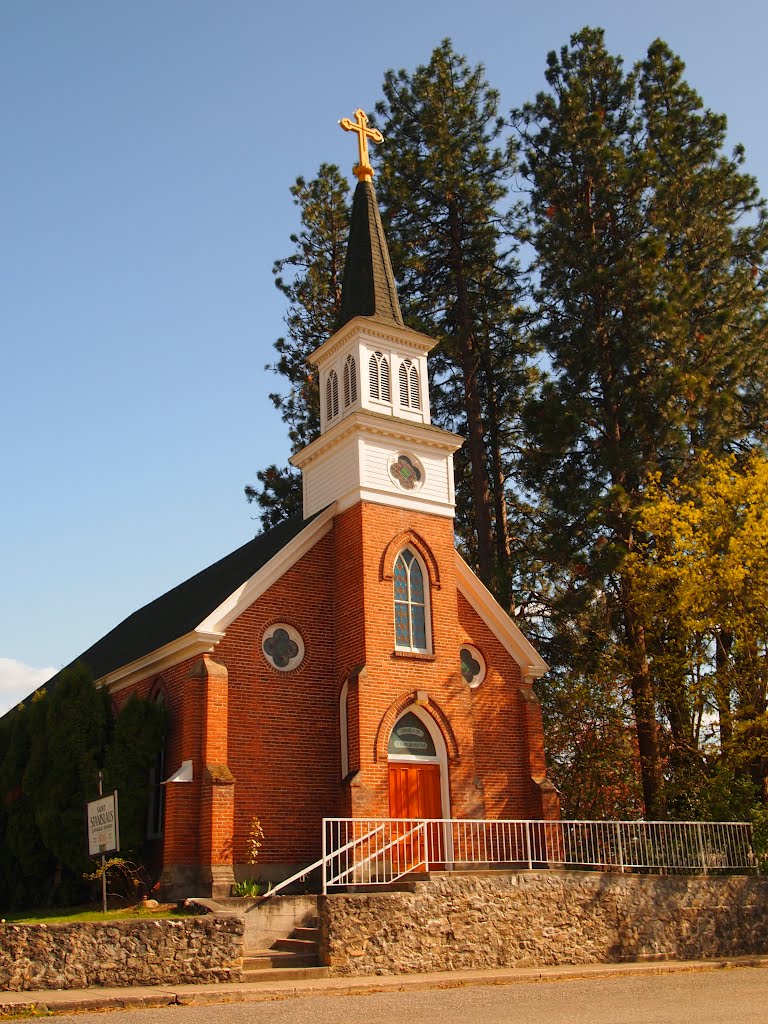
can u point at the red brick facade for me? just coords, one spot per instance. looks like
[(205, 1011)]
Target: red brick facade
[(267, 743)]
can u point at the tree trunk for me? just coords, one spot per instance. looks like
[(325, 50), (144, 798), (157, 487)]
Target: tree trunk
[(644, 707), (470, 366)]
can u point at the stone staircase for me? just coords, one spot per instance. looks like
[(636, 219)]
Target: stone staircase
[(287, 959)]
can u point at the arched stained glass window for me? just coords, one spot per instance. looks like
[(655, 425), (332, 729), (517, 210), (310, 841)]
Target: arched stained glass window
[(410, 603), (350, 381), (332, 395)]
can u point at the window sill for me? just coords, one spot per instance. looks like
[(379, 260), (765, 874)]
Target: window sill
[(416, 655)]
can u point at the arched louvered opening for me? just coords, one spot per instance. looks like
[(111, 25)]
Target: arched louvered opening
[(378, 376), (386, 391), (350, 381), (332, 395), (374, 386), (410, 397)]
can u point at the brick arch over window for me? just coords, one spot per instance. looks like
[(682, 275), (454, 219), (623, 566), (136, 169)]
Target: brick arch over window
[(159, 691), (393, 712), (408, 538)]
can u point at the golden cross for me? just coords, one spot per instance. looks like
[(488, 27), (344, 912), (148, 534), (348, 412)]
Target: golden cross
[(363, 169)]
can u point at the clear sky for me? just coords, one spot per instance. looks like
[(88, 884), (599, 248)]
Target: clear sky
[(147, 152)]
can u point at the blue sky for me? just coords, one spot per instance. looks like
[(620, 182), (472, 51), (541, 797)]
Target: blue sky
[(147, 152)]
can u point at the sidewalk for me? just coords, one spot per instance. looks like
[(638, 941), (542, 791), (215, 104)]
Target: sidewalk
[(71, 1000)]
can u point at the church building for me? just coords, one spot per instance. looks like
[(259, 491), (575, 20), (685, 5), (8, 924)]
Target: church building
[(347, 663)]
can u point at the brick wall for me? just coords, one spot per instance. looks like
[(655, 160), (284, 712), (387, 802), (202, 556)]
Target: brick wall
[(266, 743)]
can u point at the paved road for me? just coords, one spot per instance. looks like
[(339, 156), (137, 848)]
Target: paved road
[(734, 996)]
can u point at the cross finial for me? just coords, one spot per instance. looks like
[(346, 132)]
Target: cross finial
[(363, 169)]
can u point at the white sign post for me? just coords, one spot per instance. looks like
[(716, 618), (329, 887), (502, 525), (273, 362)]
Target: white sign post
[(103, 832)]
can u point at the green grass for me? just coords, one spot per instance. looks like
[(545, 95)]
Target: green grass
[(25, 1012), (67, 915)]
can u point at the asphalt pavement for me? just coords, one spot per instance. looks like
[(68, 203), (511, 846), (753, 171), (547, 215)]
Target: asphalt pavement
[(73, 1000)]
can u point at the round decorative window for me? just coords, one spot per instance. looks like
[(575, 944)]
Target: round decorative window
[(283, 647), (472, 665), (406, 471)]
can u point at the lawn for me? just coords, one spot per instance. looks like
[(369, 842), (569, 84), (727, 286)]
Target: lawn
[(92, 912)]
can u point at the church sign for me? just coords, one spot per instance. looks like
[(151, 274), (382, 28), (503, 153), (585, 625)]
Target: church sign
[(103, 828)]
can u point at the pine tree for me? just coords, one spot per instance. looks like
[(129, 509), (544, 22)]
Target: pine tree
[(310, 279), (441, 179), (649, 282)]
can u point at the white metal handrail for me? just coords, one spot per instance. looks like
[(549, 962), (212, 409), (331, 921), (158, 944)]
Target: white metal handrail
[(359, 871), (378, 851)]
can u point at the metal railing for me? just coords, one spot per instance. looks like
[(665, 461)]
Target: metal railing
[(378, 851)]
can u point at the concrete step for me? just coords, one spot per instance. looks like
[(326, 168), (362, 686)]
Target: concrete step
[(265, 959), (296, 945), (266, 974), (309, 934)]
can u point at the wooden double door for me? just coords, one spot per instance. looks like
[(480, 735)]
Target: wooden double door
[(415, 793)]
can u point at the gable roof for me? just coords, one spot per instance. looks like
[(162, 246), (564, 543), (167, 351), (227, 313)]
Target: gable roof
[(180, 611), (531, 663)]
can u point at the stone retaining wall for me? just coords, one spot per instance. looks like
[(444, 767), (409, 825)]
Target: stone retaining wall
[(45, 956), (543, 918)]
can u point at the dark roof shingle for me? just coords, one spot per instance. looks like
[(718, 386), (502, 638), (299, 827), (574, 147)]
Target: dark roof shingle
[(182, 609)]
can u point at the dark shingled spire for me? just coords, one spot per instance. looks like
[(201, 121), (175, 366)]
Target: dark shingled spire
[(368, 288)]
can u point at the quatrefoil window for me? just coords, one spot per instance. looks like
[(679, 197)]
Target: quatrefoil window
[(283, 647), (407, 471), (472, 666)]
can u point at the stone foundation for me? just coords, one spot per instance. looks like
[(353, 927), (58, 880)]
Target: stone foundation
[(45, 956), (543, 918)]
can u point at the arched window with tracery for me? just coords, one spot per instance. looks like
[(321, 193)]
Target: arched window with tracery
[(378, 375), (350, 381), (332, 395), (411, 602), (410, 397)]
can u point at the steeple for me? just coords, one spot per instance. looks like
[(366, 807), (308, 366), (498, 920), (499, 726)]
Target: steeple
[(376, 442), (368, 286)]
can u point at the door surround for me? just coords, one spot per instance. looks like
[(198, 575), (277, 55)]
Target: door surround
[(441, 753)]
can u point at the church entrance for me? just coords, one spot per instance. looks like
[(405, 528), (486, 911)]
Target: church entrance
[(417, 785)]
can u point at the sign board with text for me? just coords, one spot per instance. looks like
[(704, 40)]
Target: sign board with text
[(103, 829)]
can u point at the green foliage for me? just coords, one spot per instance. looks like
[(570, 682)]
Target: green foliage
[(645, 291), (137, 737), (310, 279), (442, 178), (51, 751), (248, 887), (649, 288)]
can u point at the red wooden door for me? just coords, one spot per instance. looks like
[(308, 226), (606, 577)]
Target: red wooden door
[(414, 793)]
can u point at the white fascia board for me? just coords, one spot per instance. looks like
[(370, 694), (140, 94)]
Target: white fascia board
[(403, 336), (198, 641), (375, 426), (203, 639), (268, 574), (503, 628)]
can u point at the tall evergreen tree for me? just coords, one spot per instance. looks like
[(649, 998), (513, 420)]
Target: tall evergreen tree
[(649, 284), (441, 178), (310, 279)]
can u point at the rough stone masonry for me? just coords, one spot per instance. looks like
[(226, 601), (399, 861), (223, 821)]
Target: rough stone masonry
[(119, 953), (543, 918)]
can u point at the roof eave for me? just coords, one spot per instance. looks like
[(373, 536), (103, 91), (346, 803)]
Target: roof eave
[(521, 650)]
